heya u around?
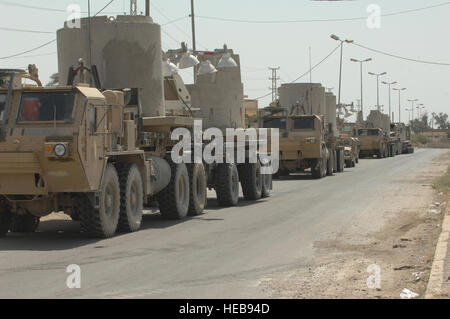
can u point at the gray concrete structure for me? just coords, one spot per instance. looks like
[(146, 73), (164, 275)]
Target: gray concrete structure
[(309, 96), (379, 120), (219, 95), (126, 50)]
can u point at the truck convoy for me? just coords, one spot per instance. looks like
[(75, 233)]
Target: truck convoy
[(98, 147), (309, 138)]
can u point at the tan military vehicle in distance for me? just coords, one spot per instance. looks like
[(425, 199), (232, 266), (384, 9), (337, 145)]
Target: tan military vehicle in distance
[(401, 134), (352, 145), (351, 151), (303, 145), (373, 142)]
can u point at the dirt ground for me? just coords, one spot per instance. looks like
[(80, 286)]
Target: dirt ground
[(403, 249)]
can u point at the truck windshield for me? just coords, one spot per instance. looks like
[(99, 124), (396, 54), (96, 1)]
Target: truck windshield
[(279, 123), (368, 132), (46, 106), (2, 105), (303, 123)]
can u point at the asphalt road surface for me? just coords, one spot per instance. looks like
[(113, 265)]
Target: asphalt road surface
[(225, 253)]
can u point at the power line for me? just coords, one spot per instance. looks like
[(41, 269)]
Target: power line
[(322, 20), (104, 8), (33, 56), (400, 57), (23, 30), (27, 51), (306, 73), (11, 4), (176, 26)]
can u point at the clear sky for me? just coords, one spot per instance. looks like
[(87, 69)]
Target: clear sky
[(418, 35)]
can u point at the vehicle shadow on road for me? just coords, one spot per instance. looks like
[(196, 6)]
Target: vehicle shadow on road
[(50, 235), (213, 204)]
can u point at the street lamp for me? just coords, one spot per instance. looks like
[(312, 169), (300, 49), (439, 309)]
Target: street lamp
[(389, 85), (399, 103), (378, 86), (420, 107), (335, 37), (361, 68), (412, 110)]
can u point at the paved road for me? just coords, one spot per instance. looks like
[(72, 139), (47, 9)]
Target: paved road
[(224, 253)]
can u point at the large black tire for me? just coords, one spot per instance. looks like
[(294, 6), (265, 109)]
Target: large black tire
[(267, 185), (319, 170), (335, 161), (330, 164), (102, 222), (174, 199), (197, 189), (227, 184), (251, 180), (24, 223), (341, 161), (131, 197)]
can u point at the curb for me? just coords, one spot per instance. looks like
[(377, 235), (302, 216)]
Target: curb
[(436, 281)]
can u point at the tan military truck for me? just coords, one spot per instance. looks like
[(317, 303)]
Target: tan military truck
[(373, 142), (74, 149), (351, 151), (401, 135), (303, 145)]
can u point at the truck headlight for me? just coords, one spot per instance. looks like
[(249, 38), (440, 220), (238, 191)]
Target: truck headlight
[(311, 140), (60, 149)]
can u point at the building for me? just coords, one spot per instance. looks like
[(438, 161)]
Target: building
[(251, 112), (437, 136)]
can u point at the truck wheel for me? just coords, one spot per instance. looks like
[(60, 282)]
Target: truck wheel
[(131, 198), (335, 161), (341, 161), (24, 223), (174, 199), (197, 189), (5, 222), (267, 185), (227, 184), (251, 180), (102, 221), (330, 164)]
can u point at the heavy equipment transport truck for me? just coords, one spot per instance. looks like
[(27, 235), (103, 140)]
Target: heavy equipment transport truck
[(98, 147), (309, 139)]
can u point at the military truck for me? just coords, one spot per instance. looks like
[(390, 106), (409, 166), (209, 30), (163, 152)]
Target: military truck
[(373, 142), (307, 130), (402, 137), (352, 145), (351, 151)]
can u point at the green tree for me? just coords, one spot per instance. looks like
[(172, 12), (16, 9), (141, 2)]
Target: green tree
[(442, 122), (54, 80), (420, 125)]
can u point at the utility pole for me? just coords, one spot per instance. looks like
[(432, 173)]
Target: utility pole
[(194, 45), (274, 80)]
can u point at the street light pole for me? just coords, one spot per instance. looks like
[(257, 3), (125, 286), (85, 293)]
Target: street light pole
[(389, 85), (335, 37), (361, 69), (399, 103), (412, 110), (378, 87)]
